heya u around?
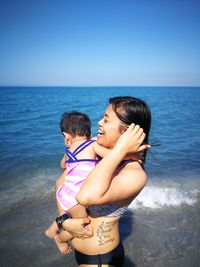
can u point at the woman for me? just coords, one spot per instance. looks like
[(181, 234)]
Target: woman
[(113, 184)]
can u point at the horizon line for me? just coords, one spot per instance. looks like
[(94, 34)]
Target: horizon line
[(97, 86)]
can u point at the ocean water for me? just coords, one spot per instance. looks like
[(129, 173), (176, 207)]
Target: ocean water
[(161, 227)]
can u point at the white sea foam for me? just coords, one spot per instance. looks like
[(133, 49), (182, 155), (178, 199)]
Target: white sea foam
[(157, 193), (154, 197)]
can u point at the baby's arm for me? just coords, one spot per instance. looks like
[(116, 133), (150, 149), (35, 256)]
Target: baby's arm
[(62, 163), (100, 150)]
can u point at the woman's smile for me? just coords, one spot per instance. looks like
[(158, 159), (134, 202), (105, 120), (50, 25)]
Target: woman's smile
[(108, 128)]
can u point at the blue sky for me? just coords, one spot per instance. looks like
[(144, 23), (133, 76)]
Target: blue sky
[(100, 42)]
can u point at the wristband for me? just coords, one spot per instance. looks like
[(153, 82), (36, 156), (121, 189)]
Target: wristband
[(60, 219)]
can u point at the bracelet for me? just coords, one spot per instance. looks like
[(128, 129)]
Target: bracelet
[(60, 219)]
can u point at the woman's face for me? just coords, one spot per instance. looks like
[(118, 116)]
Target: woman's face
[(109, 129)]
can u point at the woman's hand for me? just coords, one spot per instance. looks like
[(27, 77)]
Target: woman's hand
[(79, 228), (137, 156), (130, 141)]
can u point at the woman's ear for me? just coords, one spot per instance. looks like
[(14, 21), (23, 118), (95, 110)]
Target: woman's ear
[(123, 129)]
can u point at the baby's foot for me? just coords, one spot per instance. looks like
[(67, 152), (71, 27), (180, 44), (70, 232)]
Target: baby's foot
[(50, 232), (64, 247)]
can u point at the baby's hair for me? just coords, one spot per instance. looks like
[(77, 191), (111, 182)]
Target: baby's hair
[(76, 124)]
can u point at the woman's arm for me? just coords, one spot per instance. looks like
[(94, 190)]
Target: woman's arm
[(100, 187), (103, 151)]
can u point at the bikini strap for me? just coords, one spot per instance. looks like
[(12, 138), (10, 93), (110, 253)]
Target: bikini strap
[(72, 155), (82, 146)]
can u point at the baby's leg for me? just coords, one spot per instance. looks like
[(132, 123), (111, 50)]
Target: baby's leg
[(61, 242), (52, 230), (61, 180), (59, 208), (63, 237)]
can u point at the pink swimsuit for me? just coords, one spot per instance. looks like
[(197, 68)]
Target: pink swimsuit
[(77, 171)]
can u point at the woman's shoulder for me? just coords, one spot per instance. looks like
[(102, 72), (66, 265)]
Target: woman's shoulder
[(136, 166), (135, 170), (132, 165), (131, 179)]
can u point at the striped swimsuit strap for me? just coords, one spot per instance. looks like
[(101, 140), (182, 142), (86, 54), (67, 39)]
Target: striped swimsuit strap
[(81, 147)]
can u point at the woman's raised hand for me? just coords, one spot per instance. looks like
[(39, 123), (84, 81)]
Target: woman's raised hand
[(131, 140)]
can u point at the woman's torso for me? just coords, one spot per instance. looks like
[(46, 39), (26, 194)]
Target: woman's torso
[(105, 236), (105, 225), (105, 228)]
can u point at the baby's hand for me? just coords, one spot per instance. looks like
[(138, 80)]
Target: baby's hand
[(130, 141)]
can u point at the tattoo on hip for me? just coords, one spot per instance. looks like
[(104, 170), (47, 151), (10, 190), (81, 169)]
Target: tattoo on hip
[(104, 233)]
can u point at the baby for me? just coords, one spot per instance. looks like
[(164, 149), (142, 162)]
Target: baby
[(82, 155)]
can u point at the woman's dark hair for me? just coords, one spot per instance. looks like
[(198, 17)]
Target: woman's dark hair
[(76, 124), (132, 110)]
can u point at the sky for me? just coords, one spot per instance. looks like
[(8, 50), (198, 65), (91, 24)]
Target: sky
[(99, 43)]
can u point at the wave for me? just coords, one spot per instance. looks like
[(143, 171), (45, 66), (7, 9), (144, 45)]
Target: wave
[(154, 197), (158, 193)]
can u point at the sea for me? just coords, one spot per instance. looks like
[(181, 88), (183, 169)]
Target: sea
[(162, 225)]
